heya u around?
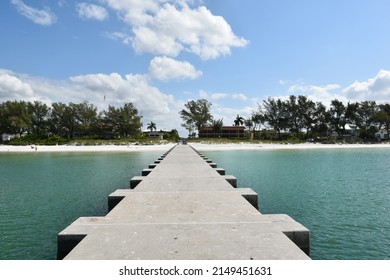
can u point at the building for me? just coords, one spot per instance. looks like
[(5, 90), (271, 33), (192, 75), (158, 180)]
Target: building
[(224, 132), (382, 134), (350, 130), (156, 135), (5, 137)]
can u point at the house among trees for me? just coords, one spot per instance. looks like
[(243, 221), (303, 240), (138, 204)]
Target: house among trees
[(6, 137), (223, 132), (156, 134), (382, 134), (350, 130)]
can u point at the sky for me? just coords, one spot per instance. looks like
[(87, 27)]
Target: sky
[(159, 54)]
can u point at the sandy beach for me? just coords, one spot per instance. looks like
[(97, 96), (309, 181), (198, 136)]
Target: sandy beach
[(266, 146), (74, 148), (199, 146)]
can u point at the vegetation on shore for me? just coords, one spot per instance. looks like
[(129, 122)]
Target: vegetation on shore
[(293, 120), (299, 119), (37, 123)]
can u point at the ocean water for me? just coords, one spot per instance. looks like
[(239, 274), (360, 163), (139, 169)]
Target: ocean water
[(342, 196), (42, 193)]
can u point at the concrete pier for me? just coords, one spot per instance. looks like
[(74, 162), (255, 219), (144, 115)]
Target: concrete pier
[(183, 208)]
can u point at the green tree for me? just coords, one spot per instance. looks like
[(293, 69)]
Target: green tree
[(15, 118), (151, 126), (39, 115), (239, 121), (275, 114), (321, 120), (172, 135), (125, 120), (337, 116), (293, 115), (63, 119), (196, 114), (257, 120), (365, 114), (307, 109), (382, 117), (87, 117), (217, 126)]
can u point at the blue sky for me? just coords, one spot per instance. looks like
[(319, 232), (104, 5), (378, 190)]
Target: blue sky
[(159, 54)]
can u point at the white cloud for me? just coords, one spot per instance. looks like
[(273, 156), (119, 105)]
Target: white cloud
[(376, 89), (100, 89), (41, 17), (283, 82), (239, 96), (229, 114), (216, 96), (324, 94), (223, 95), (11, 87), (168, 27), (164, 68), (100, 82), (91, 11), (125, 38)]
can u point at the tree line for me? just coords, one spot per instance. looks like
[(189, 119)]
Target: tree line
[(298, 117), (69, 120)]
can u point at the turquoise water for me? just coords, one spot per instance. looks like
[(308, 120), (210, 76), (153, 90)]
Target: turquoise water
[(342, 196), (42, 193)]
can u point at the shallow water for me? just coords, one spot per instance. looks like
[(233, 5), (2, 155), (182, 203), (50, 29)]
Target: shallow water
[(41, 194), (342, 196)]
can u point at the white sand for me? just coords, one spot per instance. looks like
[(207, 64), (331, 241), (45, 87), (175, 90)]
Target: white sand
[(198, 146), (262, 146), (74, 148)]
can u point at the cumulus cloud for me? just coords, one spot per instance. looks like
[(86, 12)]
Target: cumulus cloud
[(42, 17), (229, 114), (101, 82), (168, 27), (100, 89), (324, 94), (374, 89), (91, 11), (164, 68), (377, 88), (11, 87)]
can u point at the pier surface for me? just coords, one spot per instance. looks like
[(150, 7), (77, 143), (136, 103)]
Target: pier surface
[(183, 208)]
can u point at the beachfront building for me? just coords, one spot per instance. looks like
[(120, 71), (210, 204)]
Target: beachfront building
[(6, 137), (350, 130), (156, 134), (223, 132), (382, 134)]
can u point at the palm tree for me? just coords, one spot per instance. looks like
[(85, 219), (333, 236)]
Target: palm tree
[(151, 126), (237, 122)]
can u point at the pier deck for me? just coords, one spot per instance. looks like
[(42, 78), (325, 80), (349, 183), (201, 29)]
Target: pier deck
[(184, 209)]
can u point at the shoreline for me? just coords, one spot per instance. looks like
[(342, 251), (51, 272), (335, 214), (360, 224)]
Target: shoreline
[(82, 149), (266, 146), (198, 146)]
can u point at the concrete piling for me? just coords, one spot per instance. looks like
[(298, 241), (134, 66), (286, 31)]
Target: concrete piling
[(183, 207)]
